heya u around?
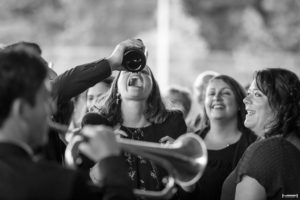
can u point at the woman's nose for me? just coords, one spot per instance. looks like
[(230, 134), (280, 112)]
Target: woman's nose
[(135, 72), (217, 96), (246, 100), (93, 102)]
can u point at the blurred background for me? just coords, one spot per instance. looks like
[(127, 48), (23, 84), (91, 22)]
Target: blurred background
[(183, 37)]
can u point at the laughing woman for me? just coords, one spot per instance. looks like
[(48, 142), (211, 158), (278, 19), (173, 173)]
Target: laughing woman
[(224, 134), (269, 169), (134, 105)]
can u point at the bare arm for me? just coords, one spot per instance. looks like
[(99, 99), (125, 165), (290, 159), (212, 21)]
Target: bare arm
[(250, 189)]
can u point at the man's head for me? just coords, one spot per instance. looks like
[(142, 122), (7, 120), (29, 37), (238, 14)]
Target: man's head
[(180, 98), (24, 97), (23, 45), (32, 48)]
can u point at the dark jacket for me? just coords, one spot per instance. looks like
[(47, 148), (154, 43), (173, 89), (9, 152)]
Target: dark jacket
[(66, 86), (23, 178)]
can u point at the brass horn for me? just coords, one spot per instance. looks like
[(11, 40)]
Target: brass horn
[(184, 160)]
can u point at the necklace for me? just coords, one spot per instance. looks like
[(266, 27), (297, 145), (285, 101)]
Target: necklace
[(134, 133)]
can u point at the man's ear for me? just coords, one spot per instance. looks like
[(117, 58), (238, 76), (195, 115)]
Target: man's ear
[(18, 112), (18, 117), (18, 108)]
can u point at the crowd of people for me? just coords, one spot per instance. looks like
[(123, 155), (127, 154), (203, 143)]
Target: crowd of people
[(252, 135)]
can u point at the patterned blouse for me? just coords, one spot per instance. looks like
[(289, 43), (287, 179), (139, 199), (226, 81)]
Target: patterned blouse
[(143, 173)]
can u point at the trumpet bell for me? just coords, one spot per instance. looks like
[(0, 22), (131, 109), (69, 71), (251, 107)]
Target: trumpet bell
[(185, 159)]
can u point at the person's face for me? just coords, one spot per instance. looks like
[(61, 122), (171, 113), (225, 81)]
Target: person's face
[(220, 103), (200, 89), (38, 116), (135, 86), (95, 93), (178, 103), (259, 112)]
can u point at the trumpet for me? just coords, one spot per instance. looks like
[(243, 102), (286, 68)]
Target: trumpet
[(184, 160)]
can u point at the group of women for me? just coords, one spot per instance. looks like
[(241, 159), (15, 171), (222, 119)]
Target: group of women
[(252, 137)]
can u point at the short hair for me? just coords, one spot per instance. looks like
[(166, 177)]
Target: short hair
[(23, 45), (204, 75), (281, 87), (156, 111), (201, 82), (176, 94), (21, 75), (239, 95), (34, 48)]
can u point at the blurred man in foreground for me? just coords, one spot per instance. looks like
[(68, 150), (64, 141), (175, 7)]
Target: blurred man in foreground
[(25, 108)]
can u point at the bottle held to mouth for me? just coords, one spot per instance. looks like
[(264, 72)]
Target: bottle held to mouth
[(134, 59)]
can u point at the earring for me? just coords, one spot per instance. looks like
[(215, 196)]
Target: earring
[(118, 100)]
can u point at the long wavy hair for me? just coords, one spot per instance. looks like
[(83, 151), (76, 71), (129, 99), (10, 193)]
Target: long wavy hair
[(239, 94), (282, 88), (109, 107)]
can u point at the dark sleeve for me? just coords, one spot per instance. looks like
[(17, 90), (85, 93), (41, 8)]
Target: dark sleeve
[(76, 80), (70, 84), (115, 185), (260, 162)]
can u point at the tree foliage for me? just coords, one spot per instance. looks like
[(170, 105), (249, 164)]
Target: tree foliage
[(222, 22), (225, 24), (89, 22)]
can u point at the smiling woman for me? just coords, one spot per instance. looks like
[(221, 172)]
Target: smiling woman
[(134, 105), (259, 112), (269, 169), (224, 134)]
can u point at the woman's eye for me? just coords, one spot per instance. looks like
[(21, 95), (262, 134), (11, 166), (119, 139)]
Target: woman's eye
[(226, 93), (257, 94), (145, 72)]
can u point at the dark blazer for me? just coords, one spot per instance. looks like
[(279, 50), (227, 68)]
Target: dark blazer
[(23, 178), (66, 86)]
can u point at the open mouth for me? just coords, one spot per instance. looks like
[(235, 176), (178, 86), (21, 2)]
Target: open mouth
[(135, 82), (218, 107), (250, 112)]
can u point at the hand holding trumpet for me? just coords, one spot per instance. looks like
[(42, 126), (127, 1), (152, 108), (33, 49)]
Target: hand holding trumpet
[(185, 159), (101, 142)]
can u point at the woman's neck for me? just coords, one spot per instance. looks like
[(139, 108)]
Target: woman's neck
[(221, 135), (224, 129), (133, 114)]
